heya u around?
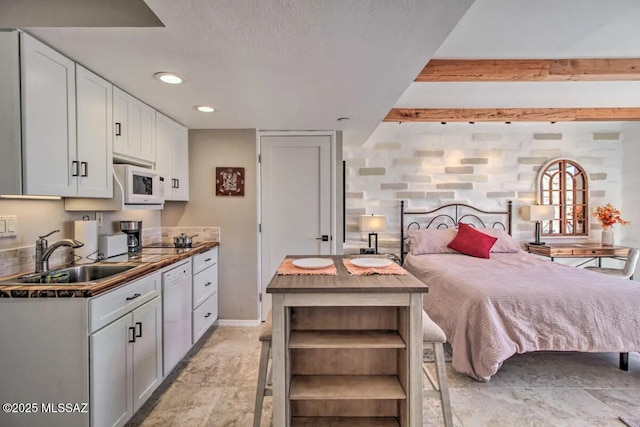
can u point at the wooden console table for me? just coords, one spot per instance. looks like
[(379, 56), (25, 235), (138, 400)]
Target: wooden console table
[(578, 250), (347, 350)]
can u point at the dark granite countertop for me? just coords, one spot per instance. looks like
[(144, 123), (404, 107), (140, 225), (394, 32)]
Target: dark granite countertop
[(150, 260)]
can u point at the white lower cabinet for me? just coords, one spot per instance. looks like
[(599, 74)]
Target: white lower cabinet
[(205, 292), (125, 355), (105, 353)]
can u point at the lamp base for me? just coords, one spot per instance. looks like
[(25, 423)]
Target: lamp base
[(373, 235), (537, 243)]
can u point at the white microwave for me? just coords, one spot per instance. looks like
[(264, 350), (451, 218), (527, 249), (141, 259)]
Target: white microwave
[(140, 186)]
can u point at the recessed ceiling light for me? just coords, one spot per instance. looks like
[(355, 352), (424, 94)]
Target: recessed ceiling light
[(171, 78), (205, 108)]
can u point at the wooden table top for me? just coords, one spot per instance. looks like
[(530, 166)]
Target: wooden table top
[(344, 282)]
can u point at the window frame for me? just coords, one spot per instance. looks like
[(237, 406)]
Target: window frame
[(561, 206)]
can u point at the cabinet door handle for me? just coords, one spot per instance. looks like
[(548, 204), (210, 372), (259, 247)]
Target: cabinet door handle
[(207, 260), (207, 315), (133, 334), (177, 183), (207, 284), (84, 169), (133, 297), (118, 129), (139, 333), (74, 168)]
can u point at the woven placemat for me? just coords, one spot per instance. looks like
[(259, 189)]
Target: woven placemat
[(288, 269), (392, 268)]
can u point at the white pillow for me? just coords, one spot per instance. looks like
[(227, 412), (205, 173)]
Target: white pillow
[(431, 241), (504, 244)]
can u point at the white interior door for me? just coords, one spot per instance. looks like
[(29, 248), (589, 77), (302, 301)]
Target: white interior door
[(295, 201)]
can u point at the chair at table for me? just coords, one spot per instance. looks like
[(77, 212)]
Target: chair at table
[(434, 337), (264, 384), (625, 272)]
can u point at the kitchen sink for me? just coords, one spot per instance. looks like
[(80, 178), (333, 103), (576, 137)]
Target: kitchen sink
[(79, 274)]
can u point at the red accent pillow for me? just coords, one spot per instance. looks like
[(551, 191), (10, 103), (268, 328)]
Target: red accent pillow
[(470, 241)]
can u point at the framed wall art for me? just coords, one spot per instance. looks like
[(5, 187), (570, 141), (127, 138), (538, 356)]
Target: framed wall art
[(229, 181)]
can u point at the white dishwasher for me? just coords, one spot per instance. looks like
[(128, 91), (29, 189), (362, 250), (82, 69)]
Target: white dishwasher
[(176, 314)]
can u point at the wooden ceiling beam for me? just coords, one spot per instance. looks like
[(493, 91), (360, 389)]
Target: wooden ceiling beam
[(512, 114), (530, 70)]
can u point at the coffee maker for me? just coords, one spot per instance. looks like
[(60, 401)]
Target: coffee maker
[(133, 229)]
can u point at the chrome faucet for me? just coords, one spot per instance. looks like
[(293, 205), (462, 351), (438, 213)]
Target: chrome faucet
[(43, 251)]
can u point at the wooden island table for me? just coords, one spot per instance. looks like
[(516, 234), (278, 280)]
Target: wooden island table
[(347, 349)]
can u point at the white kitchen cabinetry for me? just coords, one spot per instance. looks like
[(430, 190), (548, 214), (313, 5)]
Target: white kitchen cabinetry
[(48, 95), (205, 292), (172, 157), (134, 130), (176, 310), (95, 135), (126, 354), (66, 125)]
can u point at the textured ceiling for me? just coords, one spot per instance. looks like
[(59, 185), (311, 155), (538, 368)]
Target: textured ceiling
[(270, 64)]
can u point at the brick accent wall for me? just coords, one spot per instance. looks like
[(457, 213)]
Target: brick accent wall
[(482, 164)]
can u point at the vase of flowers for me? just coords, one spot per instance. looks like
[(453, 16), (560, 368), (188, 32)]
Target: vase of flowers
[(607, 216)]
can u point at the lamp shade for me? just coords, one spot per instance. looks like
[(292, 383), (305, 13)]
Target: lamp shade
[(540, 213), (373, 223)]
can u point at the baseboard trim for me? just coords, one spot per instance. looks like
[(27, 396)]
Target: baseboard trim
[(232, 322)]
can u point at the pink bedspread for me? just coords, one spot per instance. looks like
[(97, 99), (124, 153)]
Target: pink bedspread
[(513, 303)]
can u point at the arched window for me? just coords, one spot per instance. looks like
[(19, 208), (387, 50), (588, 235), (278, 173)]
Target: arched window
[(564, 184)]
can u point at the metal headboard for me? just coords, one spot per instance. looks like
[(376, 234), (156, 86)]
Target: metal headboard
[(450, 216)]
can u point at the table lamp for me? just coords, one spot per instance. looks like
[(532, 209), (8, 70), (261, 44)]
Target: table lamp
[(537, 214), (373, 224)]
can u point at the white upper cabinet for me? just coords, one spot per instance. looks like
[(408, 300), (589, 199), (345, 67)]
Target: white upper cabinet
[(66, 125), (48, 99), (172, 157), (95, 134), (134, 127)]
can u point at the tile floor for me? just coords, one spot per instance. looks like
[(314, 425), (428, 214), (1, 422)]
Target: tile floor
[(215, 386)]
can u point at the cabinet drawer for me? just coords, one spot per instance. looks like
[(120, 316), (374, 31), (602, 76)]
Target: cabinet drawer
[(594, 252), (204, 284), (561, 252), (204, 260), (204, 316), (106, 308)]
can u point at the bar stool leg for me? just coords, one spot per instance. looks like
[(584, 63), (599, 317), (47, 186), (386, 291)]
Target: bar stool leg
[(262, 382), (442, 384)]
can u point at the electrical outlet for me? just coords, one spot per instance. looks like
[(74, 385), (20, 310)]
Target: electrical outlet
[(99, 218)]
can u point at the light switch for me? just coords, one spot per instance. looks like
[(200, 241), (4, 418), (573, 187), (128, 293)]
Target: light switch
[(8, 225)]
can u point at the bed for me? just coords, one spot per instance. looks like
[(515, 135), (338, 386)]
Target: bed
[(512, 302)]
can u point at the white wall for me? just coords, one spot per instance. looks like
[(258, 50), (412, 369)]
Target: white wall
[(483, 164), (630, 181)]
